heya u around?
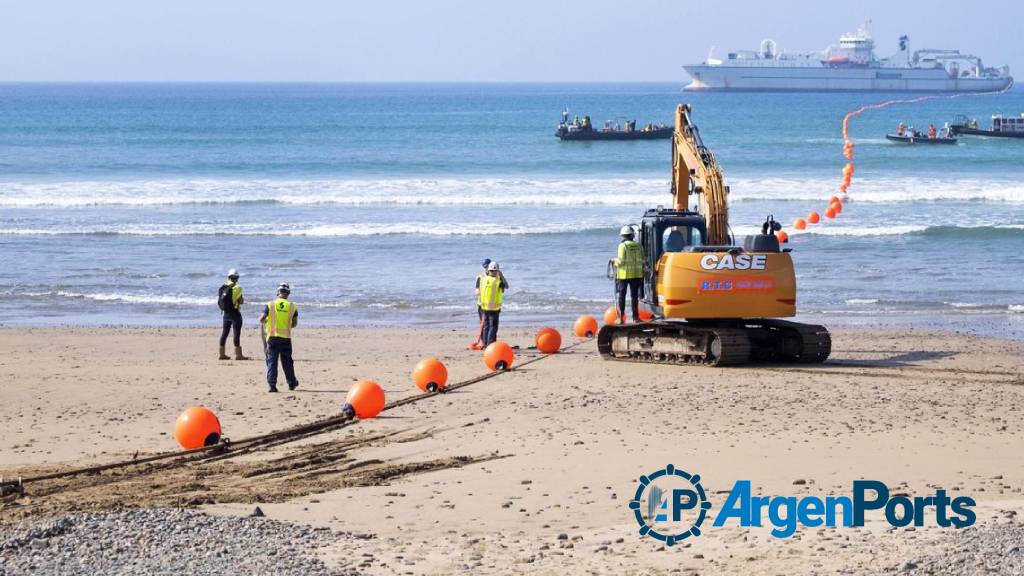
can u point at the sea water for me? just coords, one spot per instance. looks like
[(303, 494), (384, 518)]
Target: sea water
[(126, 203)]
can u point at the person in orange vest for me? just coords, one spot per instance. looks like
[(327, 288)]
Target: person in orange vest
[(279, 317), (901, 129), (932, 132)]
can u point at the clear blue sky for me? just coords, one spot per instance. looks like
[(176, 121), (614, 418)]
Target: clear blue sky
[(455, 40)]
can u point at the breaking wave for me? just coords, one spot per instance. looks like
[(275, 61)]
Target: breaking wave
[(485, 191)]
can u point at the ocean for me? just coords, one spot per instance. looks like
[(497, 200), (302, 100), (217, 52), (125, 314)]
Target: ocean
[(124, 204)]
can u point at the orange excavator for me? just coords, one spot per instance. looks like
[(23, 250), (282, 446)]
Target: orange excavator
[(714, 302)]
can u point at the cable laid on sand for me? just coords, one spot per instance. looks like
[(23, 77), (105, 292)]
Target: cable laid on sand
[(226, 449)]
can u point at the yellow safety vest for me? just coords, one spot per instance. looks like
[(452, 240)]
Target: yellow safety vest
[(279, 320), (491, 293), (631, 261)]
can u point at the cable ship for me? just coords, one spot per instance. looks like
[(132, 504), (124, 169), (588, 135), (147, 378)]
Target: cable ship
[(849, 67)]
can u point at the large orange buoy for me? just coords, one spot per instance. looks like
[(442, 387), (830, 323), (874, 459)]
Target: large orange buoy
[(498, 356), (548, 340), (836, 206), (611, 315), (813, 218), (799, 224), (430, 375), (782, 236), (364, 400), (833, 199), (830, 213), (585, 326), (197, 427), (646, 315)]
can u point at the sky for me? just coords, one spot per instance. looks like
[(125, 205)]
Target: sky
[(456, 40)]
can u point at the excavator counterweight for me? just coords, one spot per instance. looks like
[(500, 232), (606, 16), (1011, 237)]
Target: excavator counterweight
[(714, 302)]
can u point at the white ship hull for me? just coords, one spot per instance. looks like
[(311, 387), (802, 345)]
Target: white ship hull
[(827, 79)]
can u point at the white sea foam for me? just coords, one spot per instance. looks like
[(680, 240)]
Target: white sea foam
[(488, 191), (861, 301)]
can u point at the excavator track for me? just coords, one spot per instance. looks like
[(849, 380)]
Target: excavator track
[(724, 343)]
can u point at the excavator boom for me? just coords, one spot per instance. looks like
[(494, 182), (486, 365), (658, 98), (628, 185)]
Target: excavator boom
[(695, 171)]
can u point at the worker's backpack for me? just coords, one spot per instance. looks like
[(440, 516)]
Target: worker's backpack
[(224, 299)]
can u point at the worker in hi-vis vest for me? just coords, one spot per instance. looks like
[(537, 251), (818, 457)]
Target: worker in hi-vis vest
[(278, 319), (629, 273), (230, 300), (490, 294)]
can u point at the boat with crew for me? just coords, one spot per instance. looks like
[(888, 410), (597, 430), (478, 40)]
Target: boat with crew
[(906, 135), (583, 129), (849, 67), (1002, 126)]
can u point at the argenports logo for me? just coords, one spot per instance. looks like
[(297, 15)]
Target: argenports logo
[(670, 505)]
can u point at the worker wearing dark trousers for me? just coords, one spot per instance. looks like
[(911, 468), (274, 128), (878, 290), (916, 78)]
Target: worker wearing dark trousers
[(279, 317), (629, 273), (230, 300), (490, 294)]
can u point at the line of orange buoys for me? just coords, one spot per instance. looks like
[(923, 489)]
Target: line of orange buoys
[(835, 203), (198, 426)]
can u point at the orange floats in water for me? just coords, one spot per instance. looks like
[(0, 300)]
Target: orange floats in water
[(800, 224), (830, 213), (646, 315), (833, 199), (837, 207), (611, 315), (548, 340), (813, 218), (430, 375), (782, 236), (364, 400), (197, 427), (585, 326), (498, 356)]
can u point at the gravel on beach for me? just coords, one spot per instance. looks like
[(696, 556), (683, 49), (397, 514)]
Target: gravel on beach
[(163, 541)]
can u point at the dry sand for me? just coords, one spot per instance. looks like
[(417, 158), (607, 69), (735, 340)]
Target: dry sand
[(485, 479)]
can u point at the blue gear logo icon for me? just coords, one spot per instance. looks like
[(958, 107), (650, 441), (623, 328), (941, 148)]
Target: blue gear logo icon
[(676, 505)]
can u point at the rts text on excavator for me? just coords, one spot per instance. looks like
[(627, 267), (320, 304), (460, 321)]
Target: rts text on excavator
[(714, 302)]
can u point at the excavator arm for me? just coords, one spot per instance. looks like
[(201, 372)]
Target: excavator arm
[(695, 171)]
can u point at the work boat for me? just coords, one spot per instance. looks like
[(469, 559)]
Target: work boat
[(583, 129), (1002, 126)]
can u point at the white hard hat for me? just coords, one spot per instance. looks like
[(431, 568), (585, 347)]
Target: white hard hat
[(626, 231), (232, 272), (284, 287), (492, 266)]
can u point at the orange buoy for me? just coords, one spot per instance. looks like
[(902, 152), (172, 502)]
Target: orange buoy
[(498, 356), (799, 224), (548, 340), (585, 326), (836, 206), (611, 315), (813, 218), (782, 236), (197, 427), (833, 199), (830, 213), (430, 375), (646, 315), (364, 400)]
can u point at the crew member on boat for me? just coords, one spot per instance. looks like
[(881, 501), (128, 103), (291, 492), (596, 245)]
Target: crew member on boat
[(901, 130)]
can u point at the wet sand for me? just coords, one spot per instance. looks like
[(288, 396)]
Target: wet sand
[(487, 479)]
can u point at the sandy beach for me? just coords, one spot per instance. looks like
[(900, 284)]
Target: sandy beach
[(531, 471)]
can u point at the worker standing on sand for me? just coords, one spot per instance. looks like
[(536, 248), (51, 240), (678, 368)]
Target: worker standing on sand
[(480, 311), (490, 294), (629, 273), (279, 317), (230, 300)]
